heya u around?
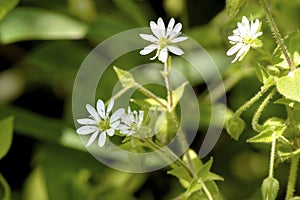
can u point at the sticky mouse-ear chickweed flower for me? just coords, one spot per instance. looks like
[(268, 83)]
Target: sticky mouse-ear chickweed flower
[(163, 40), (100, 123), (244, 37)]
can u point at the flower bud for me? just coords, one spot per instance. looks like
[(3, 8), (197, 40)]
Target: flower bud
[(269, 189)]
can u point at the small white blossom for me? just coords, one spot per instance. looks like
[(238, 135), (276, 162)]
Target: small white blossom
[(244, 37), (163, 39), (131, 122), (99, 122)]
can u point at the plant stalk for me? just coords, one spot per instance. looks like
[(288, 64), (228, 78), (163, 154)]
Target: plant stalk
[(292, 177), (166, 75), (255, 120), (277, 34)]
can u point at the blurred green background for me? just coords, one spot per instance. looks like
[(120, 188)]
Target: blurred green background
[(43, 44)]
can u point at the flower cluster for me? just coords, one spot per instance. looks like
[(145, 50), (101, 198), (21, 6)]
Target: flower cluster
[(163, 39), (100, 123), (244, 37)]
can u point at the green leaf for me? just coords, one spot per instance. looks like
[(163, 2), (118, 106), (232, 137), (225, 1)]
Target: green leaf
[(196, 162), (180, 173), (271, 126), (177, 94), (233, 6), (261, 73), (289, 86), (6, 6), (150, 103), (125, 78), (132, 10), (288, 102), (194, 186), (6, 134), (205, 175), (166, 126), (291, 42), (85, 9), (39, 24), (35, 187), (204, 170), (4, 187), (235, 126)]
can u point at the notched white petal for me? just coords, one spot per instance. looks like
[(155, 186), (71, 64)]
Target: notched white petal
[(92, 139), (163, 55), (110, 132), (170, 26), (179, 39), (148, 49), (234, 49), (110, 106), (102, 139), (149, 38), (85, 130), (92, 111), (117, 115), (86, 121), (101, 108), (175, 50)]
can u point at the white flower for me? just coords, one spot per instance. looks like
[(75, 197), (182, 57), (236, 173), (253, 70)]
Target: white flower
[(99, 122), (131, 122), (163, 39), (244, 37)]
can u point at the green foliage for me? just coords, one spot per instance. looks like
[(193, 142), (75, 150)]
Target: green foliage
[(273, 127), (284, 85), (26, 23), (6, 6), (6, 135), (125, 78), (235, 127), (233, 6)]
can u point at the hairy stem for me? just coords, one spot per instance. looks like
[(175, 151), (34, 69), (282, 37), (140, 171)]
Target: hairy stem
[(292, 177), (151, 95), (263, 89), (272, 156), (175, 158), (277, 35), (166, 75), (255, 120), (206, 190)]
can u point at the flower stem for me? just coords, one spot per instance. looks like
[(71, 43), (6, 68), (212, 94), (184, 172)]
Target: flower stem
[(263, 89), (176, 159), (277, 35), (255, 120), (150, 95), (206, 190), (292, 177), (166, 75), (272, 156)]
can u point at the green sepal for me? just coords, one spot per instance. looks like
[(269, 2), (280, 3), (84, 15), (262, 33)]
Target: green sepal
[(269, 189)]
